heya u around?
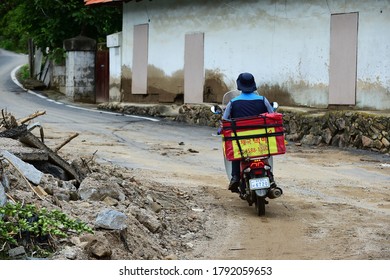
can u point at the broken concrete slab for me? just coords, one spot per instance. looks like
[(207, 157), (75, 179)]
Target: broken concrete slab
[(29, 171), (3, 197), (21, 151)]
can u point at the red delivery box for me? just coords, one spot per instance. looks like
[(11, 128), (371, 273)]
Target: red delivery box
[(257, 136)]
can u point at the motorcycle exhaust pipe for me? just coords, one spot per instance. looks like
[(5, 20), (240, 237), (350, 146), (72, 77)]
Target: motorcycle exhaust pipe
[(275, 192)]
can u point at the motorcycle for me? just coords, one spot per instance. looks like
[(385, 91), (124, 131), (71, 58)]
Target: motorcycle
[(256, 177)]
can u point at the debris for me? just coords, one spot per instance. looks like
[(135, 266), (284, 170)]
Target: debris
[(28, 154), (14, 132), (17, 129), (32, 140), (3, 197), (8, 120), (65, 142), (39, 190), (111, 219), (149, 220), (26, 169), (17, 251), (31, 117), (369, 160)]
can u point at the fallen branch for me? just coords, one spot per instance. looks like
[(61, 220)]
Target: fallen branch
[(31, 140), (2, 248), (56, 149), (86, 162), (10, 197), (32, 116)]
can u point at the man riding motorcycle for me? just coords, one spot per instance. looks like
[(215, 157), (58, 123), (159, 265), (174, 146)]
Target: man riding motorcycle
[(248, 103)]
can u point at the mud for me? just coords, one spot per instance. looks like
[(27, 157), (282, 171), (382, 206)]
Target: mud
[(276, 92), (214, 87)]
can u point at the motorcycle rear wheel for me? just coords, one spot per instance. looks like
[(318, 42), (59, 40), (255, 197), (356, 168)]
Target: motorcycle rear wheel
[(260, 205)]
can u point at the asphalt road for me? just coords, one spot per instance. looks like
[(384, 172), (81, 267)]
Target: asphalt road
[(117, 137), (21, 103)]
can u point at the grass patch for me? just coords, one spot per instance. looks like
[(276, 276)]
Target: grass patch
[(23, 73)]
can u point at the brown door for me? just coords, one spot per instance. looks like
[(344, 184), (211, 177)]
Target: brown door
[(102, 76)]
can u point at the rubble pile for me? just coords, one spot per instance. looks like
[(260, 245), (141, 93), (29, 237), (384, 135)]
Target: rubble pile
[(131, 217)]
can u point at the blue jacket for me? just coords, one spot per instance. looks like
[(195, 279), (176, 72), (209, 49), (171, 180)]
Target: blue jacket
[(247, 104)]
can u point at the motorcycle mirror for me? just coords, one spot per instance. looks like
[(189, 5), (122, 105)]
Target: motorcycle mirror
[(275, 105), (216, 109)]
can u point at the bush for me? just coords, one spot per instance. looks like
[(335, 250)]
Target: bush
[(24, 73), (35, 228)]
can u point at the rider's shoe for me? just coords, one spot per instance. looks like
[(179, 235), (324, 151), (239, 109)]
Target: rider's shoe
[(234, 184)]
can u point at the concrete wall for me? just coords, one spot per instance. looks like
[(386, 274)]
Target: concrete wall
[(285, 44), (373, 73), (58, 78), (80, 76)]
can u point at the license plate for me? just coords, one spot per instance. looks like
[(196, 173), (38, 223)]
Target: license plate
[(259, 183)]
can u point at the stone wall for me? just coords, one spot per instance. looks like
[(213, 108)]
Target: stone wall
[(340, 128), (362, 130)]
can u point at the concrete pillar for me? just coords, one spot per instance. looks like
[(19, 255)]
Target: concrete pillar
[(114, 43), (80, 69)]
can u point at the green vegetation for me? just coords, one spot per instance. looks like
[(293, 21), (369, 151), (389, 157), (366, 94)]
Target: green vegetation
[(34, 228), (48, 23), (23, 73)]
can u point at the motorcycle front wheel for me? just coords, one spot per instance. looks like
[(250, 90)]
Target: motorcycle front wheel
[(260, 205)]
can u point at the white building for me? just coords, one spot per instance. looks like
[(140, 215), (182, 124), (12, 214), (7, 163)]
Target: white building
[(302, 52)]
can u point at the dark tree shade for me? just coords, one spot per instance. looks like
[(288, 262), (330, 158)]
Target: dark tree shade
[(50, 22)]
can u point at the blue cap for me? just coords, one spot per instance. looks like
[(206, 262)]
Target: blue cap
[(246, 82)]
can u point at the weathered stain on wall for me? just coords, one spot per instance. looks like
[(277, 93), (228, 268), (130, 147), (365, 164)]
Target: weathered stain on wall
[(58, 78), (214, 86), (126, 82), (80, 76), (168, 87), (372, 92), (161, 88), (115, 89), (276, 93), (284, 43), (307, 94)]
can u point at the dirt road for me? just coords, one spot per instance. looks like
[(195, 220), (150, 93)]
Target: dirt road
[(335, 206), (336, 203)]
